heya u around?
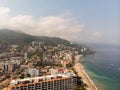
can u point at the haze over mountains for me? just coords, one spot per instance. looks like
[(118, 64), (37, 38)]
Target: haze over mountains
[(16, 37)]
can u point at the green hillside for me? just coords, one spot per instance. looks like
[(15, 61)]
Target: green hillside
[(14, 37)]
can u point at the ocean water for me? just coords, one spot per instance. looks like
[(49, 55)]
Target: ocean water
[(104, 68)]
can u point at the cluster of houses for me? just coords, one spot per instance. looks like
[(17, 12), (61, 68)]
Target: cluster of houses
[(34, 60)]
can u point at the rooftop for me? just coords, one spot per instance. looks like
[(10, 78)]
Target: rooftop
[(34, 80)]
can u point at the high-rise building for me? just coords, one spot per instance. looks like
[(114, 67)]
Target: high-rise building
[(49, 82), (37, 43), (25, 56)]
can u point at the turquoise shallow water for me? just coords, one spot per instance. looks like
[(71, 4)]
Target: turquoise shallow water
[(103, 68)]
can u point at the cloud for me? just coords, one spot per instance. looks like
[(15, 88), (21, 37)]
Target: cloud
[(63, 26), (4, 10), (95, 37), (97, 34), (58, 26)]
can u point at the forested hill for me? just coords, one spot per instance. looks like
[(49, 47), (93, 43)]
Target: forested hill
[(14, 37)]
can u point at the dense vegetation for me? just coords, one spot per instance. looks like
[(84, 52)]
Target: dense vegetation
[(14, 37)]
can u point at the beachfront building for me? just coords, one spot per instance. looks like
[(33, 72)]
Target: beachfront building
[(49, 82)]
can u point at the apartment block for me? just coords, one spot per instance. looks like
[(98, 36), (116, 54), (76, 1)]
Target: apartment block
[(49, 82)]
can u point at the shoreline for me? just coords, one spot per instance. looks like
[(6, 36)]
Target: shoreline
[(86, 79)]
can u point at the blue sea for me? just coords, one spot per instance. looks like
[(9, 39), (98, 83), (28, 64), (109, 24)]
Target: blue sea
[(104, 68)]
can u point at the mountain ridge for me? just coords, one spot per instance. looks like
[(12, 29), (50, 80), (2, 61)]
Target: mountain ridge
[(8, 36)]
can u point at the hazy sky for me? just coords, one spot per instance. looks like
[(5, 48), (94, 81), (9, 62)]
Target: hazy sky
[(96, 21)]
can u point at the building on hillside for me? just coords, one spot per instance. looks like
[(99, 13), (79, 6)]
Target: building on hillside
[(9, 67), (37, 43), (25, 55)]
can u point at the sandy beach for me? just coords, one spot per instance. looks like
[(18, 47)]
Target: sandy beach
[(78, 67)]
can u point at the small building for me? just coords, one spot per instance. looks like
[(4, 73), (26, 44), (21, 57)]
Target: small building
[(56, 71), (9, 67), (32, 72)]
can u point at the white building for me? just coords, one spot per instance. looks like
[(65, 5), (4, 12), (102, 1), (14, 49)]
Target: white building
[(32, 71), (49, 82)]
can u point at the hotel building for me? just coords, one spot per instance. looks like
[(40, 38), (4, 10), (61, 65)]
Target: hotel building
[(49, 82)]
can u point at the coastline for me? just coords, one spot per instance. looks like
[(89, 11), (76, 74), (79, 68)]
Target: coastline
[(86, 79)]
